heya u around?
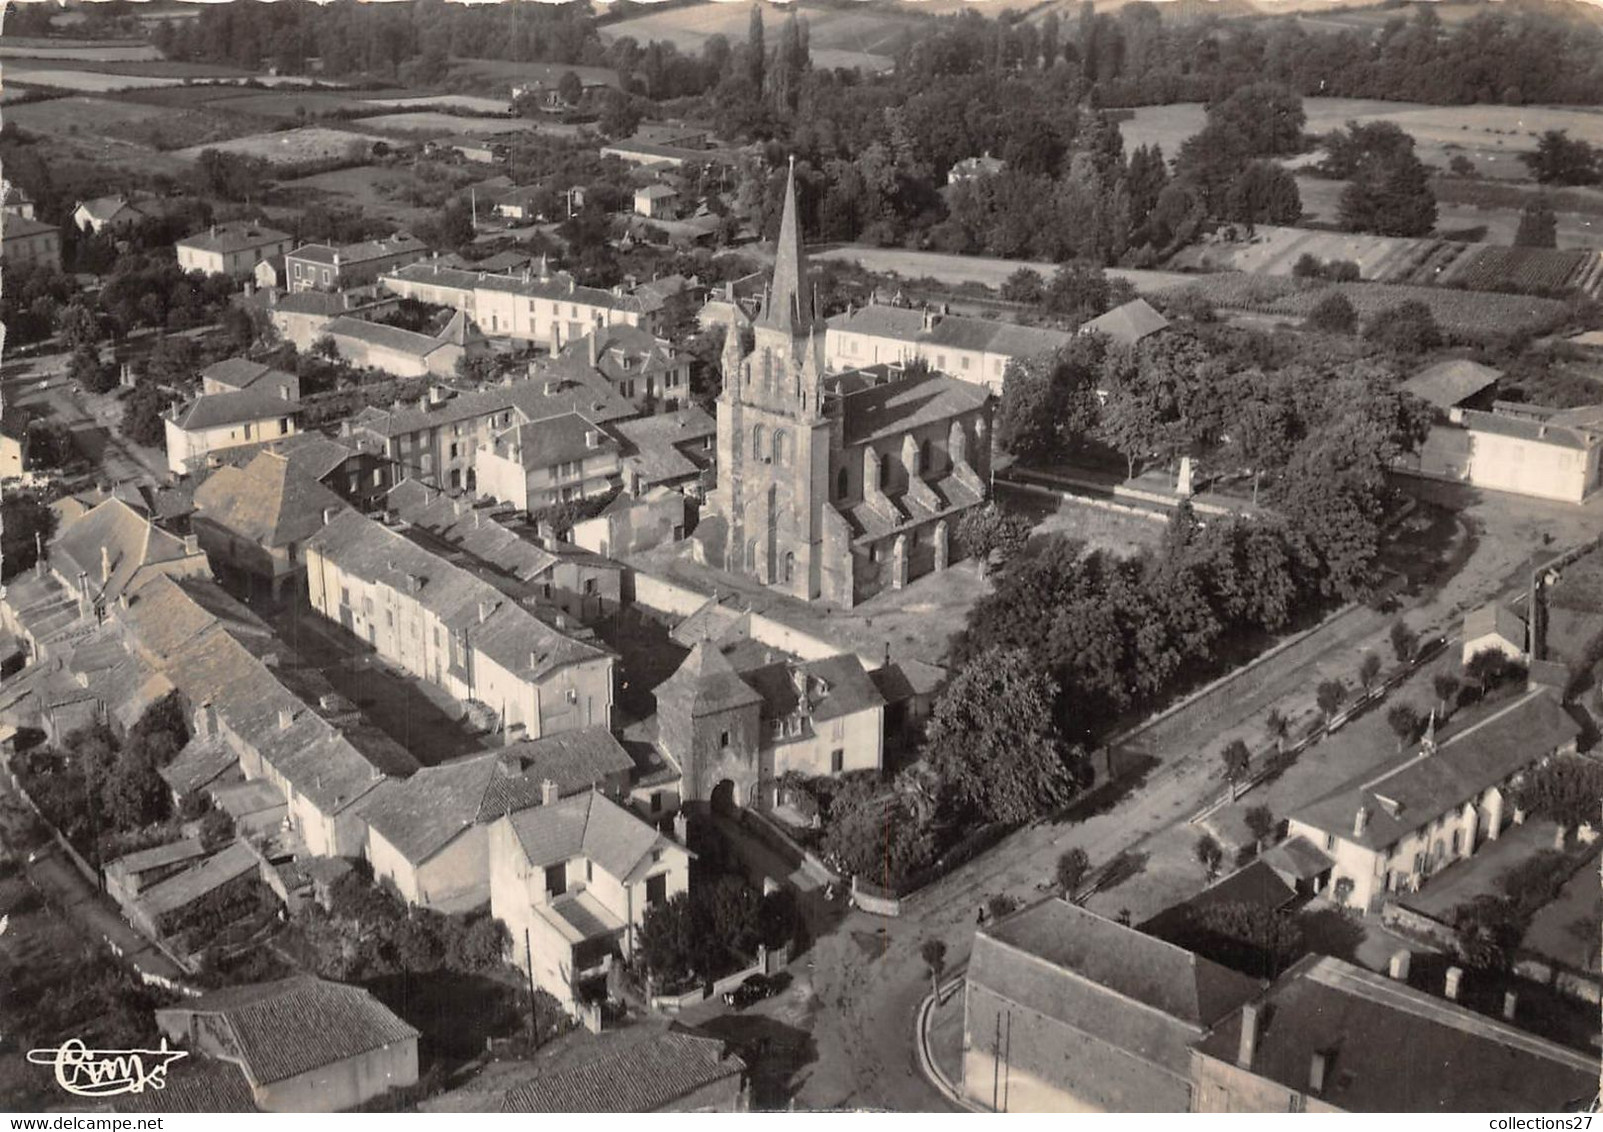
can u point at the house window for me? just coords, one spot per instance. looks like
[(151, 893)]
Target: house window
[(723, 741), (556, 879), (656, 890), (283, 426), (843, 484), (247, 432), (345, 596), (573, 696), (290, 550), (589, 586), (589, 870), (837, 761), (656, 801), (453, 450), (1330, 842)]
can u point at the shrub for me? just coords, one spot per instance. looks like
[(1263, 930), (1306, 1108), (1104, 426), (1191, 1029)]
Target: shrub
[(1333, 314)]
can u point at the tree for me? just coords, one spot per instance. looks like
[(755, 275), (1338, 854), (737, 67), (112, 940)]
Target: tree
[(1561, 160), (1260, 823), (1486, 668), (1408, 328), (25, 523), (933, 952), (992, 534), (89, 373), (1445, 685), (142, 414), (1566, 790), (1073, 866), (874, 834), (1209, 855), (1368, 668), (1333, 314), (1488, 929), (1389, 192), (1277, 726), (569, 88), (668, 940), (1330, 695), (1404, 642), (1538, 226), (1404, 721), (1237, 759), (79, 327), (1023, 286), (1049, 401), (1263, 193), (993, 741), (1266, 119), (1247, 937)]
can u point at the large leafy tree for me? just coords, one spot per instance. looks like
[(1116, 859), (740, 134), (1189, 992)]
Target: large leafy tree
[(1049, 401), (1565, 790), (993, 741)]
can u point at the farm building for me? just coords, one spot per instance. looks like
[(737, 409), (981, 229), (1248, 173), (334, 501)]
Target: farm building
[(1522, 449), (111, 213), (1128, 324), (1494, 626), (1455, 384), (405, 353)]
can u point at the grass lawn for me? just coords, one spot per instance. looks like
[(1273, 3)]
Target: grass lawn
[(1567, 929), (292, 147), (1463, 880)]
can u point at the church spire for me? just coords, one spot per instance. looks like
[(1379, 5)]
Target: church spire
[(787, 307)]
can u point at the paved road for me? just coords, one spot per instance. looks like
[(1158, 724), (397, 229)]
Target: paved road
[(94, 421)]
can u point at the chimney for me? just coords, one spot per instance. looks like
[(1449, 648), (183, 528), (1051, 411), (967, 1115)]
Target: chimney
[(548, 792), (1510, 1004), (414, 583), (1318, 1066), (105, 565), (485, 609), (1455, 980), (1400, 962), (592, 438), (191, 545), (595, 350), (545, 534), (681, 827), (283, 391), (286, 717), (551, 388), (205, 720), (1250, 1023), (1360, 821), (328, 515), (437, 394)]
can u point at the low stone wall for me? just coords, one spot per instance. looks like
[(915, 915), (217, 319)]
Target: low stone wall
[(674, 600), (1412, 922), (875, 900), (674, 1003)]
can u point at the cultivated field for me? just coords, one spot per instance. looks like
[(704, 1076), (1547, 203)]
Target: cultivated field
[(1490, 136), (92, 81), (89, 51), (292, 147), (133, 120), (1463, 315), (836, 37), (956, 269), (435, 124)]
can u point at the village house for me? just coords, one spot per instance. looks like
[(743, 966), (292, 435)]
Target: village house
[(733, 734), (572, 881), (438, 438), (235, 375), (405, 353), (428, 837), (215, 421), (16, 201), (303, 1044), (1330, 1036), (1064, 1011), (1392, 829), (448, 626), (657, 201), (113, 549), (320, 267), (977, 350), (26, 240), (253, 521), (551, 460), (103, 214), (1454, 384), (633, 523), (1525, 449), (231, 249), (301, 318), (1495, 625), (549, 309), (133, 873), (673, 449), (643, 369)]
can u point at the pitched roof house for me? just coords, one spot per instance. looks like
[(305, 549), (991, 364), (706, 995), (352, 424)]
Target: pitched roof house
[(252, 521), (429, 835), (1329, 1036), (675, 1071), (1067, 1012), (1127, 324), (303, 1044), (973, 349), (215, 421)]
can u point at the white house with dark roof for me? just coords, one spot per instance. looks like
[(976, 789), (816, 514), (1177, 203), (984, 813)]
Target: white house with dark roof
[(253, 522), (405, 353), (547, 308), (643, 369), (1128, 323), (216, 421), (447, 625), (1330, 1036), (303, 1044), (1394, 828), (1495, 625), (572, 880), (1530, 450), (231, 249), (234, 375), (1064, 1011), (24, 239), (971, 349), (429, 836), (551, 460)]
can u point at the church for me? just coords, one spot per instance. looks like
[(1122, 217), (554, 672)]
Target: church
[(836, 487)]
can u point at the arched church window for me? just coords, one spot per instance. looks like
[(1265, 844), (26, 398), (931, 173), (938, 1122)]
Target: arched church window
[(757, 436), (884, 471), (924, 456), (781, 456), (843, 483)]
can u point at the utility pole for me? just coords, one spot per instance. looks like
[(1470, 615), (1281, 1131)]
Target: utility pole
[(534, 1003)]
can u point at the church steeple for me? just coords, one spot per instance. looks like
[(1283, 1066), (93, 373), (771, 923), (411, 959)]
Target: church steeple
[(788, 307)]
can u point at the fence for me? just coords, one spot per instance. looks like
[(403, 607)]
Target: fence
[(674, 600), (674, 1003), (873, 899)]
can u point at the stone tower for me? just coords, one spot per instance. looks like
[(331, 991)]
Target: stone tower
[(774, 437)]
